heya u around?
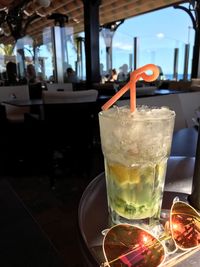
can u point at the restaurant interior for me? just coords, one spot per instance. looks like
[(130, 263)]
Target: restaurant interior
[(53, 201)]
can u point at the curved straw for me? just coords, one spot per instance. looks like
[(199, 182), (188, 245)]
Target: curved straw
[(134, 77)]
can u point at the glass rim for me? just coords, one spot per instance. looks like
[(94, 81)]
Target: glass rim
[(170, 115)]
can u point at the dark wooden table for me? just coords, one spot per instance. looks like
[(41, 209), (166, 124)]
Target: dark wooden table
[(22, 241), (93, 213), (143, 92), (24, 103)]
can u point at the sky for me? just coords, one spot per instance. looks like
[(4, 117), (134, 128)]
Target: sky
[(158, 33)]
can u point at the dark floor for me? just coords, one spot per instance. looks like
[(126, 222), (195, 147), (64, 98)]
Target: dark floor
[(55, 209)]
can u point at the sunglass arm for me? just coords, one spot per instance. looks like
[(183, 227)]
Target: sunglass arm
[(194, 198)]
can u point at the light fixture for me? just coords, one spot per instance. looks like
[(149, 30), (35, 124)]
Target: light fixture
[(40, 14), (76, 20), (44, 3), (59, 19), (28, 14), (1, 31), (112, 26), (14, 21)]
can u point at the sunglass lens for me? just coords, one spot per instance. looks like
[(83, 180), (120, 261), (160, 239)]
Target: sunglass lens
[(185, 225), (127, 245)]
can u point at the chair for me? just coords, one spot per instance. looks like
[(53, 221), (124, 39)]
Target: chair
[(13, 132), (190, 102), (69, 119), (13, 113), (53, 87), (180, 171), (35, 90), (106, 89), (70, 97)]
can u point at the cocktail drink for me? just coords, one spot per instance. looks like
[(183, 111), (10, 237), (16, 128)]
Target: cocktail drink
[(136, 146)]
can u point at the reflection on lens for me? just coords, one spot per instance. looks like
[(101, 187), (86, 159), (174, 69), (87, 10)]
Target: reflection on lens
[(185, 225), (127, 245)]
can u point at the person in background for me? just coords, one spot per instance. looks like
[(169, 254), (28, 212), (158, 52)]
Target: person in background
[(161, 74), (11, 71), (31, 74), (35, 83), (3, 78), (123, 75), (113, 76), (103, 74), (71, 76), (52, 77)]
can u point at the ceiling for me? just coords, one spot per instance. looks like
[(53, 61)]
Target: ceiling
[(110, 11)]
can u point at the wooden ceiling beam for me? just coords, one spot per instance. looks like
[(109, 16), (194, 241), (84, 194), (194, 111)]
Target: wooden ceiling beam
[(54, 6), (106, 14), (109, 11), (123, 9), (136, 7), (44, 22)]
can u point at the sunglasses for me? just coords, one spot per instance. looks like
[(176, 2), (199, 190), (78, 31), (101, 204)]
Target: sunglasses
[(128, 245)]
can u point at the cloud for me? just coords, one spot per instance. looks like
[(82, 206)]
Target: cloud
[(122, 46), (160, 35)]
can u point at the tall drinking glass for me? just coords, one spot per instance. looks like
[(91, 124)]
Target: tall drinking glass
[(136, 147)]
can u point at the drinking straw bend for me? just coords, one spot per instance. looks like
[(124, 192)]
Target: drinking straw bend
[(134, 77), (140, 73)]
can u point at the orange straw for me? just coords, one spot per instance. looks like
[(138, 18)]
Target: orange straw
[(134, 77)]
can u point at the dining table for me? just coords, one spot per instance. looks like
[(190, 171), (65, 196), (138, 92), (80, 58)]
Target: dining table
[(142, 92), (23, 103), (93, 215), (35, 106)]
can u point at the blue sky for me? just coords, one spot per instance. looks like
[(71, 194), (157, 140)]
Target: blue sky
[(170, 21), (159, 33)]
